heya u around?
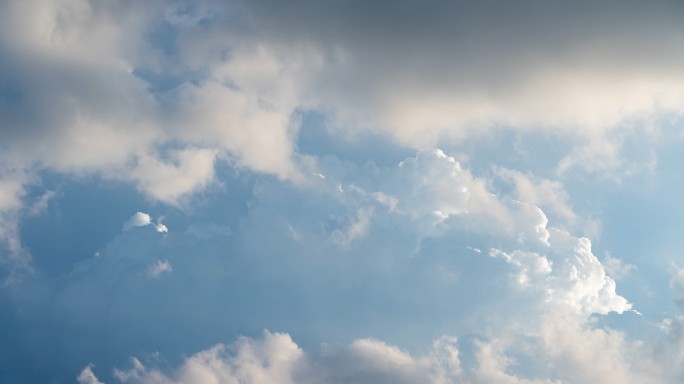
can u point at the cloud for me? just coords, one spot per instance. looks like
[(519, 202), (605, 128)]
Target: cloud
[(567, 352), (102, 112), (135, 92), (616, 268), (141, 219), (356, 230), (572, 280), (586, 287), (14, 258), (158, 96), (271, 359), (493, 365), (171, 98), (87, 376), (159, 268), (449, 69), (547, 194), (159, 227), (42, 203), (144, 291), (187, 171), (563, 353), (275, 358)]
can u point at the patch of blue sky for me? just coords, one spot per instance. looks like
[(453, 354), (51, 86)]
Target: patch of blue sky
[(10, 93), (81, 216), (160, 83), (640, 218)]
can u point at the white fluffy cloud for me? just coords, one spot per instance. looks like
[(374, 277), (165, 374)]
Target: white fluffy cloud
[(275, 358), (168, 181), (142, 219), (270, 360), (139, 219), (75, 100), (87, 376), (563, 353)]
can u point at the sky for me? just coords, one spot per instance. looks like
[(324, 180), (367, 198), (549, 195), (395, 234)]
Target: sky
[(342, 191)]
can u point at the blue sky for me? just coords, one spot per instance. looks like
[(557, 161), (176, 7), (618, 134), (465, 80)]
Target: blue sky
[(341, 192)]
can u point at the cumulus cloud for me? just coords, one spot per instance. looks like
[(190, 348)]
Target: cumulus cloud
[(103, 112), (87, 376), (572, 280), (586, 287), (493, 365), (139, 219), (563, 353), (142, 219), (272, 359), (167, 181), (567, 352), (159, 227), (276, 358)]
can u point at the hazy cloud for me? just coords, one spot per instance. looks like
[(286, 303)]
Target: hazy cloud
[(159, 268)]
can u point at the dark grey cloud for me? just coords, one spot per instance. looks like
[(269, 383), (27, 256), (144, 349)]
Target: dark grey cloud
[(425, 70)]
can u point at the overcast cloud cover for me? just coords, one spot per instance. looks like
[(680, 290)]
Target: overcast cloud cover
[(228, 191)]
